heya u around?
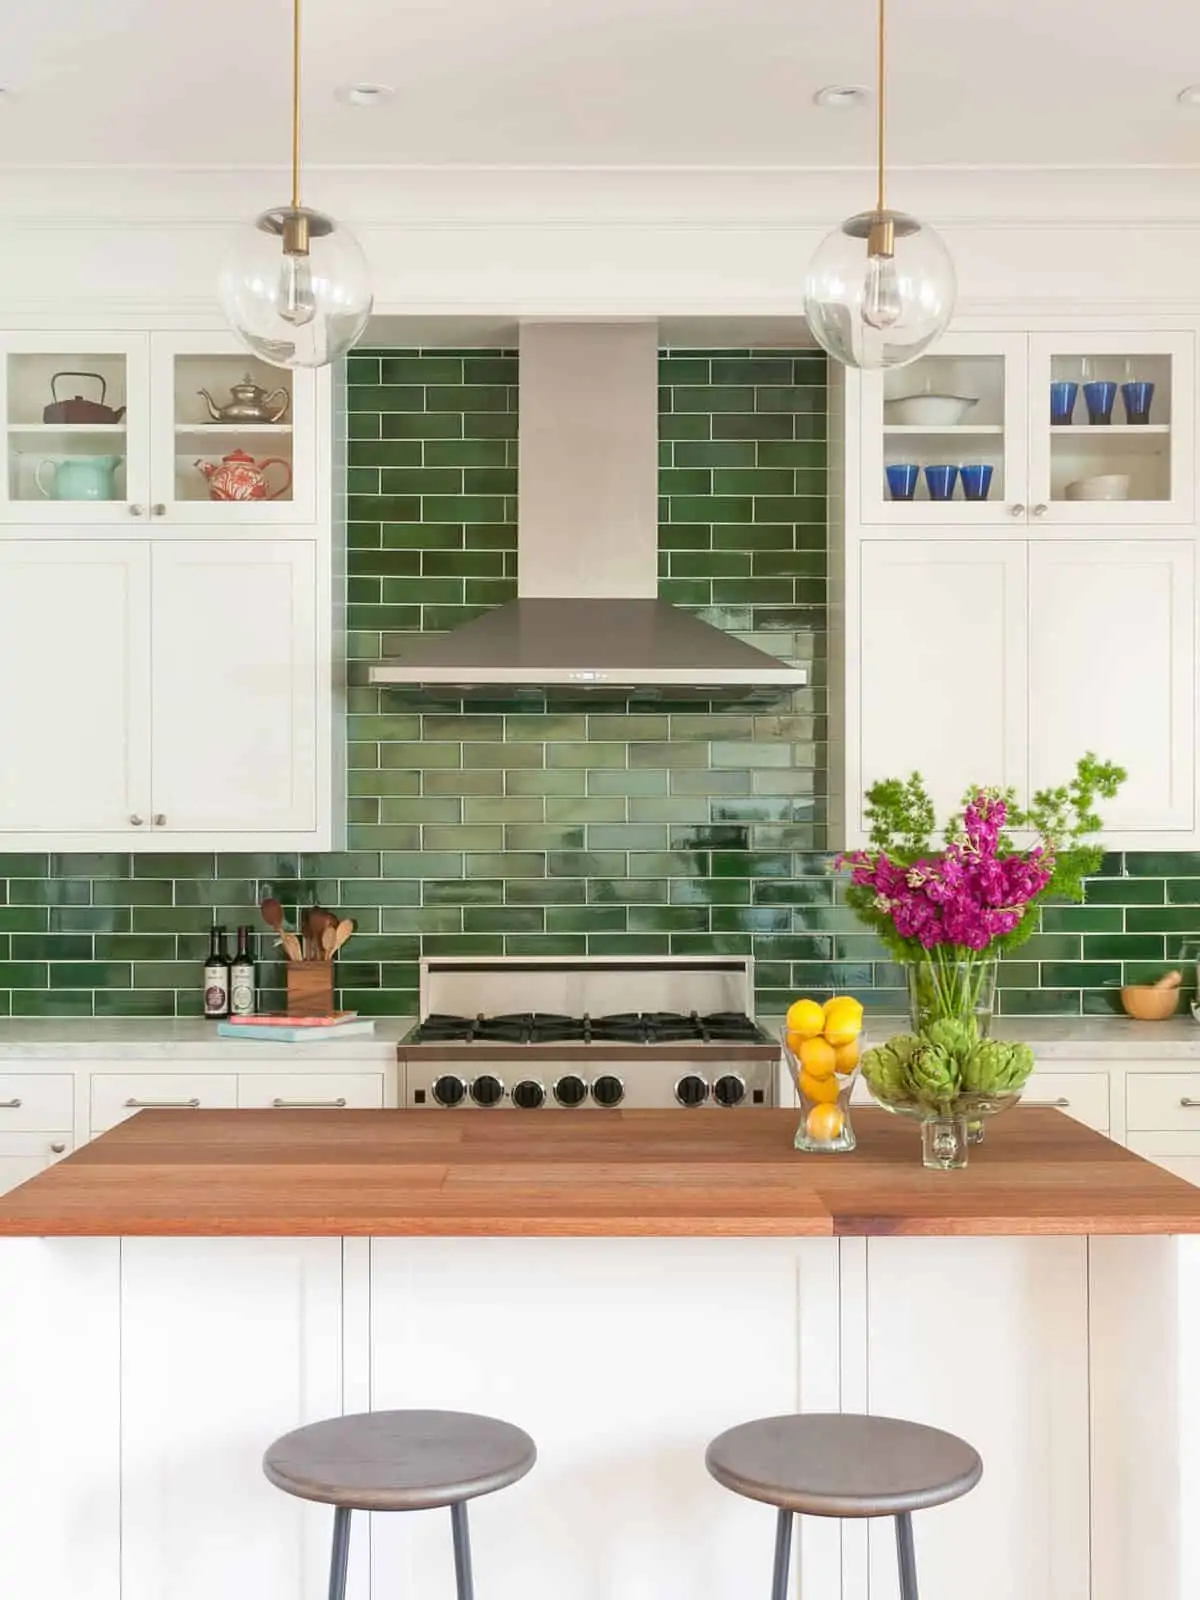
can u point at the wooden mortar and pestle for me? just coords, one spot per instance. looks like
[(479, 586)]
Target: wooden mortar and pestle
[(1153, 1002)]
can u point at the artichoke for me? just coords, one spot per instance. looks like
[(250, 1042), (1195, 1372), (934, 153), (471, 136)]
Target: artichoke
[(885, 1067), (995, 1067), (956, 1036), (934, 1074)]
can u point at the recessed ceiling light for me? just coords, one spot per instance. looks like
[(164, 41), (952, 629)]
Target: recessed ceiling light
[(1189, 96), (842, 96), (364, 94)]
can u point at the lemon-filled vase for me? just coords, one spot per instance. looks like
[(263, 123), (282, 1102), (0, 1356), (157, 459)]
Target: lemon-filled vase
[(821, 1048)]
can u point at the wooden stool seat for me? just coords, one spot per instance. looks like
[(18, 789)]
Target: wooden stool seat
[(399, 1460)]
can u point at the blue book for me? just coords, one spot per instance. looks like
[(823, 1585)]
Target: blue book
[(282, 1033)]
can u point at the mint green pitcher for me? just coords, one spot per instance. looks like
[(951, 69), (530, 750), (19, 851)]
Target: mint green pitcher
[(80, 478)]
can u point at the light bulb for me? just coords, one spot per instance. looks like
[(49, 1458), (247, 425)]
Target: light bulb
[(882, 301), (297, 302)]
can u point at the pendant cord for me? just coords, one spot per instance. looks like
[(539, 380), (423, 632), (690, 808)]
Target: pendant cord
[(880, 104), (296, 105)]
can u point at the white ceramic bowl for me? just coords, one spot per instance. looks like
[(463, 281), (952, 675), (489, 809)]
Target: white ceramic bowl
[(928, 410), (1109, 486)]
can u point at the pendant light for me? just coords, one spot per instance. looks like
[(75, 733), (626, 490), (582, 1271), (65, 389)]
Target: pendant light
[(880, 289), (295, 287)]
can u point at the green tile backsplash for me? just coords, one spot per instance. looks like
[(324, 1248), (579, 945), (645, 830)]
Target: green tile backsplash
[(543, 828)]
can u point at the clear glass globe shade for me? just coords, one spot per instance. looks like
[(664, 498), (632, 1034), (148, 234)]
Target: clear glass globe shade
[(879, 312), (299, 309)]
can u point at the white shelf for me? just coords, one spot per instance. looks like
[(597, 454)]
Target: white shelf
[(959, 430), (1102, 430), (67, 437)]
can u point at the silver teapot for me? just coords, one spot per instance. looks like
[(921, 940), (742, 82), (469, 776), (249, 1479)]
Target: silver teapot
[(250, 403)]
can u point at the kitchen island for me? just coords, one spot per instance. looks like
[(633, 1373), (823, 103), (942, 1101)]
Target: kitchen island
[(193, 1283)]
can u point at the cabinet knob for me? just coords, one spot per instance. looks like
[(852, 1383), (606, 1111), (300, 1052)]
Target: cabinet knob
[(136, 511), (1016, 511), (160, 819), (58, 1147), (136, 820), (1040, 511), (1188, 1103), (159, 509)]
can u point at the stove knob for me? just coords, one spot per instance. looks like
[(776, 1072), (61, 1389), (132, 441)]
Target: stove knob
[(570, 1091), (729, 1090), (608, 1090), (449, 1091), (691, 1090), (487, 1090), (528, 1094)]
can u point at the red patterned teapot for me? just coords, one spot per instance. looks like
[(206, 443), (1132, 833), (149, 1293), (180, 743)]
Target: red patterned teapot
[(239, 477)]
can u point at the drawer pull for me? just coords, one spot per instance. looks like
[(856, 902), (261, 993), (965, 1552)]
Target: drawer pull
[(161, 1105), (11, 1105), (309, 1105), (1060, 1104), (1188, 1103), (58, 1147)]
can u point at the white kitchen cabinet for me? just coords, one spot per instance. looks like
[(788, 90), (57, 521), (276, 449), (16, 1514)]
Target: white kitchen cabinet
[(936, 667), (74, 691), (311, 1091), (1007, 375), (118, 1095), (144, 465), (1177, 1152), (1112, 668), (234, 670), (24, 1155)]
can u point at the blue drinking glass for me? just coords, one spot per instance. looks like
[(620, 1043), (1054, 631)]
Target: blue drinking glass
[(976, 480), (1099, 399), (1062, 403), (902, 480), (941, 481), (1138, 398)]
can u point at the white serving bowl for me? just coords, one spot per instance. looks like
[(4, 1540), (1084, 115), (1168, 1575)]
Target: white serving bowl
[(1108, 486), (928, 410)]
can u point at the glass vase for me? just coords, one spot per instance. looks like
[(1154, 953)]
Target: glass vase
[(944, 988), (824, 1095), (944, 1143)]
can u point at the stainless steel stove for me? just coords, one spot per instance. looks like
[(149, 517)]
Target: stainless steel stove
[(587, 1035)]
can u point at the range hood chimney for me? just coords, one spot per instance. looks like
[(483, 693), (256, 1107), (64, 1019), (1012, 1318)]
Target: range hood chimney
[(587, 616)]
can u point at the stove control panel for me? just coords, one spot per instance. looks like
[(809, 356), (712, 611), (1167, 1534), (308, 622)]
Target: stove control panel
[(548, 1085)]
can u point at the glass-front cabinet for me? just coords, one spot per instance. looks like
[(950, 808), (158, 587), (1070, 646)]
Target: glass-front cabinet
[(168, 429), (1033, 428)]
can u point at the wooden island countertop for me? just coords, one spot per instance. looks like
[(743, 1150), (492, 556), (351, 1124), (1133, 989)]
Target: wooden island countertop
[(705, 1173)]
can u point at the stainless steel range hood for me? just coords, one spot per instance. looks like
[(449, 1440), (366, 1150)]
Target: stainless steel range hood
[(587, 615)]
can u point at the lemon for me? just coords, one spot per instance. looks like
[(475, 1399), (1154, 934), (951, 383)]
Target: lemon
[(825, 1123), (846, 1000), (817, 1057), (845, 1057), (843, 1020), (805, 1018), (819, 1090)]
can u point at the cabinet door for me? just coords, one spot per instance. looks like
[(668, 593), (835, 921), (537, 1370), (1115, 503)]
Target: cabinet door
[(188, 442), (89, 470), (75, 707), (24, 1155), (987, 373), (941, 667), (1148, 465), (235, 672), (1112, 668)]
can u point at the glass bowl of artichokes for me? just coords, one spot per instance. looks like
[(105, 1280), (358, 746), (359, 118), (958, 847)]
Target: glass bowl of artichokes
[(947, 1077)]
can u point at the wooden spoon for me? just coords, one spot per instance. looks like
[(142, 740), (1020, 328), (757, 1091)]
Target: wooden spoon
[(343, 931), (307, 938), (292, 945), (272, 914), (322, 921)]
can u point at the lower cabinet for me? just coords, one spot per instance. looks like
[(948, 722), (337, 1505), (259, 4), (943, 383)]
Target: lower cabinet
[(1177, 1152), (117, 1095), (24, 1155)]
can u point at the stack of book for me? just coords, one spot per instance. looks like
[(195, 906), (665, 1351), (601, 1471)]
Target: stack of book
[(276, 1027)]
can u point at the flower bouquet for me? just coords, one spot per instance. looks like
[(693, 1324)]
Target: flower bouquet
[(947, 914)]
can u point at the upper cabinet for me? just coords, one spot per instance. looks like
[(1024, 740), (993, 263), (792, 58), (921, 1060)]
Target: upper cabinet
[(174, 430), (1092, 428)]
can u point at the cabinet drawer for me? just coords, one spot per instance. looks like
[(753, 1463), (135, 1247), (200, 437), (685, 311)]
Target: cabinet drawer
[(1163, 1100), (36, 1100), (295, 1090), (1082, 1095), (116, 1096), (24, 1155), (1177, 1152)]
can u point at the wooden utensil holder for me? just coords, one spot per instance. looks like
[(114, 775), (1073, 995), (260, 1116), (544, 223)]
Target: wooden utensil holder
[(310, 988)]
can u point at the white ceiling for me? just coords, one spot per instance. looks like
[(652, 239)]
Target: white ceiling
[(598, 82)]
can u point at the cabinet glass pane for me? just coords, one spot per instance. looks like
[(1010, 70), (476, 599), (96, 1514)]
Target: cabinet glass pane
[(945, 411), (65, 424), (232, 406), (1110, 430)]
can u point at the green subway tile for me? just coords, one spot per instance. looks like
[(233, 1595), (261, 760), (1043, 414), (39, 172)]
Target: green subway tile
[(710, 564), (690, 592), (668, 864), (384, 453), (465, 783), (711, 400), (751, 864), (420, 754), (511, 864), (636, 727), (627, 944), (500, 808), (215, 892), (711, 508), (30, 919), (462, 836), (628, 891), (1183, 891), (421, 369), (406, 536), (545, 945), (712, 944), (136, 1003), (463, 564), (51, 947), (504, 756), (686, 480), (667, 755), (668, 919), (50, 1003), (462, 891), (676, 369), (709, 782), (726, 453), (1163, 919), (1148, 864), (695, 425), (752, 539), (710, 891), (418, 425), (637, 782), (593, 753), (428, 918), (683, 536), (459, 727), (1080, 974), (1125, 891), (1039, 1002), (545, 891), (1124, 947), (466, 453), (471, 398), (536, 836), (666, 808), (627, 836), (753, 369), (795, 892), (1083, 919), (464, 944), (94, 975), (504, 919), (754, 426), (585, 864), (755, 481), (541, 728)]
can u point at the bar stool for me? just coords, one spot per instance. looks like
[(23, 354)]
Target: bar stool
[(400, 1461), (843, 1465)]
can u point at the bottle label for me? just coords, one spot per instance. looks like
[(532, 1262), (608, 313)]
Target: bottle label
[(216, 995), (241, 995)]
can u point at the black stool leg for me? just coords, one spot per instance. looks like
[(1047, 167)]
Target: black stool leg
[(783, 1556), (462, 1551), (906, 1556), (341, 1553)]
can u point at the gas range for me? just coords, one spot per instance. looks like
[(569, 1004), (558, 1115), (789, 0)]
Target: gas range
[(587, 1035)]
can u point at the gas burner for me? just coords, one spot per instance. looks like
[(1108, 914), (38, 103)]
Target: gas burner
[(437, 1029), (624, 1027)]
